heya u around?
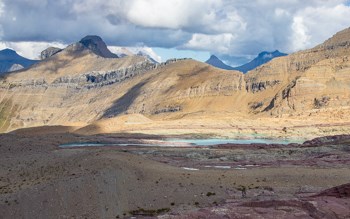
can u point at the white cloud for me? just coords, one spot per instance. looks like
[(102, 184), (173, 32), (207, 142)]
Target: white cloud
[(134, 50), (2, 6), (30, 50), (218, 43), (300, 37), (172, 14), (313, 25), (231, 27)]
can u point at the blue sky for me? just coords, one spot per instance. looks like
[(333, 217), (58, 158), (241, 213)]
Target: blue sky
[(234, 30), (175, 53)]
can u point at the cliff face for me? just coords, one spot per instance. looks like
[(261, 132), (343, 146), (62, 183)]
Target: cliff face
[(78, 87), (311, 79)]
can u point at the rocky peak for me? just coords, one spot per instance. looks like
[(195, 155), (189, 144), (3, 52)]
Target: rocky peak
[(49, 52), (216, 62), (97, 46)]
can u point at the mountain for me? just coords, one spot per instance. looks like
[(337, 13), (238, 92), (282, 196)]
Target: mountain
[(143, 54), (11, 61), (262, 58), (96, 45), (77, 87), (216, 62)]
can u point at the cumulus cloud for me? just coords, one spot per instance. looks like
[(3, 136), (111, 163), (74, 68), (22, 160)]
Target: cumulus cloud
[(30, 50), (229, 28), (219, 43)]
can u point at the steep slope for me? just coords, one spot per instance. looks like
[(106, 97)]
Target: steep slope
[(11, 61), (83, 98), (44, 93), (216, 62), (72, 61), (261, 59), (303, 81)]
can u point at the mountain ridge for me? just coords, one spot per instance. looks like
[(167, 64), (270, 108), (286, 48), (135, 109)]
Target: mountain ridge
[(77, 87), (11, 61), (216, 62), (262, 58)]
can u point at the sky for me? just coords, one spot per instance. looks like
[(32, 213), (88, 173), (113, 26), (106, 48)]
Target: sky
[(234, 30)]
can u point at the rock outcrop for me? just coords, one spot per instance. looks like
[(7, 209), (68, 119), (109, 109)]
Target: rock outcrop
[(49, 52), (96, 45)]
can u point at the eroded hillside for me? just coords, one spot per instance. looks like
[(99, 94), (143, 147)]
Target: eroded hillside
[(77, 87)]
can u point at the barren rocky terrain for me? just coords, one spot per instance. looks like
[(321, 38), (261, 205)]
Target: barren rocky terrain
[(40, 179)]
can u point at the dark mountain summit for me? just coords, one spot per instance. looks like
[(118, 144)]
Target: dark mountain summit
[(261, 59), (216, 62), (96, 45), (11, 61)]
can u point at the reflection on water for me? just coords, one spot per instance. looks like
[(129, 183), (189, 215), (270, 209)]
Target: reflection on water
[(178, 142), (213, 141)]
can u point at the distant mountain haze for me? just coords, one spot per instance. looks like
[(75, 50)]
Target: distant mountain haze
[(262, 58), (216, 62), (11, 61)]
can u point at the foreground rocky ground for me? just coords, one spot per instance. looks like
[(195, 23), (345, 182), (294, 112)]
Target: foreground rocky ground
[(38, 179)]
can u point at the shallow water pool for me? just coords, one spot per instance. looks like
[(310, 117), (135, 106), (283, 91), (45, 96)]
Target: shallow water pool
[(216, 141), (177, 142)]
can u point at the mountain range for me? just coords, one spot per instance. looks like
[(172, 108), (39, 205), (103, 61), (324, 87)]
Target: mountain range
[(261, 59), (83, 86), (11, 61)]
